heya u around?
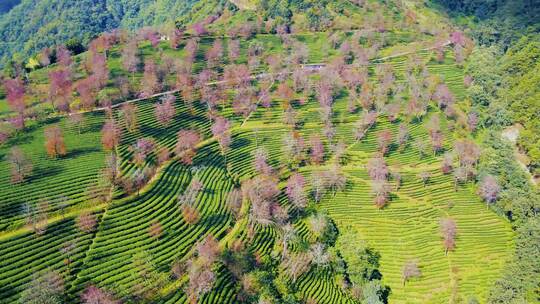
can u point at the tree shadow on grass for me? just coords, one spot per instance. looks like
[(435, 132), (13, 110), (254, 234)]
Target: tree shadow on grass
[(81, 151), (44, 172)]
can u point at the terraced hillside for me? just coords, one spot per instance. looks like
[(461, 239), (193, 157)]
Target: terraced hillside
[(266, 166)]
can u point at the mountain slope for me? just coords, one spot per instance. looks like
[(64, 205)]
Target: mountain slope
[(34, 24)]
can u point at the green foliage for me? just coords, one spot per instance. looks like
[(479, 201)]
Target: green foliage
[(520, 202), (56, 21)]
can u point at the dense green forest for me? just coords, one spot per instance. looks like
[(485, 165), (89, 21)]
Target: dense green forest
[(34, 24)]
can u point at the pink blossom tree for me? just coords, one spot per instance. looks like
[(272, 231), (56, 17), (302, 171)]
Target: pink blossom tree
[(110, 135), (489, 189), (150, 82), (130, 57), (377, 169), (14, 89), (60, 89), (233, 49), (295, 190), (384, 139), (141, 149), (317, 149), (128, 113), (402, 136), (410, 270), (186, 146), (165, 110), (381, 192), (448, 232), (447, 163), (95, 295), (86, 222), (221, 130), (214, 55)]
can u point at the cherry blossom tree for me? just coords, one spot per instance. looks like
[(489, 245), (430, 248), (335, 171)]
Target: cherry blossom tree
[(54, 142), (410, 270), (377, 169), (245, 101), (199, 29), (260, 162), (14, 89), (87, 92), (402, 136), (207, 250), (141, 149), (130, 57), (186, 146), (44, 57), (110, 135), (295, 190), (381, 192), (367, 121), (285, 93), (86, 222), (384, 139), (214, 55), (489, 189), (165, 110), (295, 265), (221, 130), (443, 96), (293, 148), (472, 121), (233, 49), (60, 89), (95, 295), (21, 165), (319, 255), (262, 191), (425, 176), (468, 154), (460, 176), (128, 112), (175, 36), (150, 82), (63, 56), (447, 163), (100, 72), (201, 280), (317, 149), (448, 232), (190, 214)]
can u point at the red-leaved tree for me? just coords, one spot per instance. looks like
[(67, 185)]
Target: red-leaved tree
[(54, 142)]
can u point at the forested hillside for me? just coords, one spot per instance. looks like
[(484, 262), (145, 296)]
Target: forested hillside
[(35, 24)]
